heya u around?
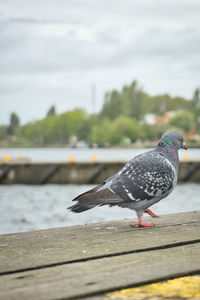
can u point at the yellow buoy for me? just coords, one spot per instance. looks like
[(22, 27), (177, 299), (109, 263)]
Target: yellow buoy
[(71, 159), (94, 157), (6, 158), (186, 155), (20, 156)]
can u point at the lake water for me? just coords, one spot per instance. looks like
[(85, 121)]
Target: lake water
[(84, 154), (26, 207)]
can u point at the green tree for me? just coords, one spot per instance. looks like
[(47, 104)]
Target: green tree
[(132, 101), (184, 120), (3, 132), (101, 133), (121, 118), (115, 132), (196, 108), (149, 132), (68, 123), (53, 129), (85, 128), (112, 107), (196, 98), (51, 111), (14, 123), (125, 127)]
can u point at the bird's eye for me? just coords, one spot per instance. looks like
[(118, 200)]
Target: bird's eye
[(178, 138)]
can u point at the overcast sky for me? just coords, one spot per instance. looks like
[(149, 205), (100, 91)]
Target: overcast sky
[(52, 51)]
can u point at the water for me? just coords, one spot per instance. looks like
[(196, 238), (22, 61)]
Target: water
[(26, 207), (83, 154)]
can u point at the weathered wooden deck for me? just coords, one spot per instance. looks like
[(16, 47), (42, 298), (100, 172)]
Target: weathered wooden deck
[(86, 262)]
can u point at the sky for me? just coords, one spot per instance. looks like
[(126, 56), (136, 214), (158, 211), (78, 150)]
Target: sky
[(68, 53)]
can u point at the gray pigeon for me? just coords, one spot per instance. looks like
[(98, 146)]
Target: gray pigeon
[(145, 180)]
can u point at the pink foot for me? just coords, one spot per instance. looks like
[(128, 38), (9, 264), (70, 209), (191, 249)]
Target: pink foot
[(141, 224), (152, 214)]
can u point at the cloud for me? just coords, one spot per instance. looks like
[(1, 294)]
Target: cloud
[(50, 50)]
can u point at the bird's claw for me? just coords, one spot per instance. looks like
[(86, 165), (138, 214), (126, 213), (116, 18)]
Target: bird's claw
[(151, 213), (141, 224)]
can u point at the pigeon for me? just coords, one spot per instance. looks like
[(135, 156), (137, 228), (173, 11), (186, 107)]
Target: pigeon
[(142, 182)]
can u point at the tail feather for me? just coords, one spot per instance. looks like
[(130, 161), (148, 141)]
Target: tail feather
[(94, 197), (80, 207)]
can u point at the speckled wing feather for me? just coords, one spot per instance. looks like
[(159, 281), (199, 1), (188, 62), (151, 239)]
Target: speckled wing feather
[(148, 176)]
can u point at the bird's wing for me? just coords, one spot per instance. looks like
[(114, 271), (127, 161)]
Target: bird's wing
[(146, 177)]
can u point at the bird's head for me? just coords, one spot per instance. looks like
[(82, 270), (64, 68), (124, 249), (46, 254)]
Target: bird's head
[(172, 139)]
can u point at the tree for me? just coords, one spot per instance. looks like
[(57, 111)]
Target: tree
[(132, 100), (14, 123), (51, 111), (196, 98), (3, 132), (53, 129), (101, 133), (84, 130), (125, 127), (121, 119), (184, 120), (115, 132), (112, 107), (196, 108)]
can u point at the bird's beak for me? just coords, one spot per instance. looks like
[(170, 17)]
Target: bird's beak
[(184, 146)]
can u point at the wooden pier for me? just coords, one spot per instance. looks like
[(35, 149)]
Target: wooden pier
[(78, 173), (90, 261)]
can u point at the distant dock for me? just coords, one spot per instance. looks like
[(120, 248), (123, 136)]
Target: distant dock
[(27, 172), (91, 261)]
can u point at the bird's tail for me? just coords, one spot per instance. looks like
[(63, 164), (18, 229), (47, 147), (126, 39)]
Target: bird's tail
[(90, 199), (80, 207)]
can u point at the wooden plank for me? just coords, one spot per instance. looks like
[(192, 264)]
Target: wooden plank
[(84, 279), (187, 287), (44, 248)]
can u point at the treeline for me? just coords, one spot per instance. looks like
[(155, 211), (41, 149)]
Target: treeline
[(133, 102), (122, 120)]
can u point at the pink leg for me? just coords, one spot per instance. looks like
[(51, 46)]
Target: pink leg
[(141, 224), (149, 212)]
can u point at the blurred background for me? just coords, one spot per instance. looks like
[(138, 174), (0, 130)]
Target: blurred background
[(93, 81)]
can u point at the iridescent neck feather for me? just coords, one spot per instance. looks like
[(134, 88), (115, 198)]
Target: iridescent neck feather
[(167, 146), (172, 151)]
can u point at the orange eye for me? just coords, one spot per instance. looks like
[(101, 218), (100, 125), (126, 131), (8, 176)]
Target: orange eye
[(178, 138)]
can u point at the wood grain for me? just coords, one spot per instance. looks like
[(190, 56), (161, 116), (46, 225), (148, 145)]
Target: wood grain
[(99, 276), (84, 261)]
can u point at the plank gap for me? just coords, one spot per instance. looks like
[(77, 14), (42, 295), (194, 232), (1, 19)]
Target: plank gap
[(102, 293), (86, 259)]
